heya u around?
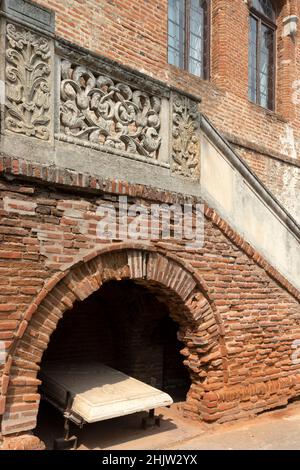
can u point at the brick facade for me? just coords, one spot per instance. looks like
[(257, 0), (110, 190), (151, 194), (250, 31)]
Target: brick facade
[(236, 316), (142, 26), (149, 351)]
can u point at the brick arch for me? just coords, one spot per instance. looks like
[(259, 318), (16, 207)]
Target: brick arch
[(169, 278)]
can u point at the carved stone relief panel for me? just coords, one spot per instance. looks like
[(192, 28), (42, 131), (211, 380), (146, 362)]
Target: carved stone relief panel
[(27, 83), (100, 112), (185, 156)]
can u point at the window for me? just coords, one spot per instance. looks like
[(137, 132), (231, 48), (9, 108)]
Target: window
[(188, 35), (262, 53)]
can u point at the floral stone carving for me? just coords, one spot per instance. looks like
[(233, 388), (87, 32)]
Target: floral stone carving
[(98, 110), (27, 74), (185, 137)]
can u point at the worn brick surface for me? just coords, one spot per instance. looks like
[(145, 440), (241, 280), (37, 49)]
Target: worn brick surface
[(134, 33), (238, 317)]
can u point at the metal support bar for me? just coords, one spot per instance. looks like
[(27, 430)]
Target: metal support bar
[(151, 420)]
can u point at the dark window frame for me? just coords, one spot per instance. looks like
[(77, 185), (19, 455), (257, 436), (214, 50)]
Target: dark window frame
[(184, 51), (263, 20)]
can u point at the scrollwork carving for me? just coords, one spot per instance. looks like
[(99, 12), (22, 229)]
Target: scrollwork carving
[(185, 137), (98, 110), (27, 72)]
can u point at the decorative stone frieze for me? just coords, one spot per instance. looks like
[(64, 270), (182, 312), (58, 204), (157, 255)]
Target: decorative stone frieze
[(100, 111), (185, 137), (98, 105), (27, 76)]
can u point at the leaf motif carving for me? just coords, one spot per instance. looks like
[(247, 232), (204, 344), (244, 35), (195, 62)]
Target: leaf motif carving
[(185, 137), (27, 74)]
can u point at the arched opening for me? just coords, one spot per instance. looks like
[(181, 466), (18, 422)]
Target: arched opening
[(124, 326), (165, 277)]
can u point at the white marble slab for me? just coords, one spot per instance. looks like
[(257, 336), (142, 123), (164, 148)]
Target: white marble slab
[(99, 391)]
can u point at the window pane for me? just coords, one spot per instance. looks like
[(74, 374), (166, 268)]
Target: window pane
[(196, 37), (176, 33), (253, 59), (265, 7), (266, 67)]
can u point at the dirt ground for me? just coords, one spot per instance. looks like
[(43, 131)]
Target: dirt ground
[(277, 429)]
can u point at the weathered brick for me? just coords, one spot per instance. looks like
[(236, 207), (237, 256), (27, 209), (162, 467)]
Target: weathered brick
[(246, 312)]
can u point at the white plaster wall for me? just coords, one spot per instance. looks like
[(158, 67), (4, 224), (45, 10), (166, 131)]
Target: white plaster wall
[(226, 190)]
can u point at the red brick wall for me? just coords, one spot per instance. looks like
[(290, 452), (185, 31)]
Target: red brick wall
[(43, 231), (249, 371)]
